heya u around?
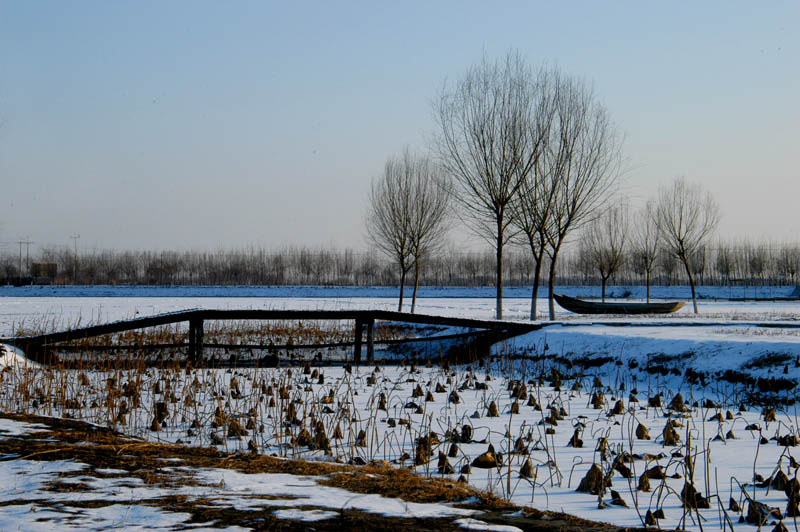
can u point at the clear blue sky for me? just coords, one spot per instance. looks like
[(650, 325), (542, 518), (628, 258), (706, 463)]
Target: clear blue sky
[(176, 125)]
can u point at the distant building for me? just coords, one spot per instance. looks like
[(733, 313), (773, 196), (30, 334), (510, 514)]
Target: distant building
[(43, 272)]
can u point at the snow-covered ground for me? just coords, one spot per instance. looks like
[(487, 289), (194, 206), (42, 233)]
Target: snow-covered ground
[(55, 308), (706, 357), (114, 499)]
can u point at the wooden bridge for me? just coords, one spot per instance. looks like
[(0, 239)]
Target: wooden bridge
[(40, 348)]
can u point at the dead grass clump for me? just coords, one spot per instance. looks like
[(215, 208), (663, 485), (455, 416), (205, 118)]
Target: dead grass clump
[(759, 513), (219, 417), (236, 430), (598, 400), (622, 469), (423, 450), (304, 438), (576, 441), (527, 471), (655, 401), (594, 481), (691, 498), (443, 466), (466, 434), (670, 435), (677, 404), (532, 402), (487, 460)]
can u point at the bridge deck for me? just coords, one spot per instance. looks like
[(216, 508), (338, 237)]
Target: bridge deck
[(35, 347)]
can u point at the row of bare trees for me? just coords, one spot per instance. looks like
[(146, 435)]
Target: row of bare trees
[(530, 155), (722, 263), (408, 214), (530, 158), (533, 154), (678, 222), (526, 156)]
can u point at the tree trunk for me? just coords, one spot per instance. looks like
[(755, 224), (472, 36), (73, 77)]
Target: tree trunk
[(551, 281), (402, 287), (416, 286), (647, 281), (537, 272), (499, 268), (537, 279), (685, 261), (603, 289)]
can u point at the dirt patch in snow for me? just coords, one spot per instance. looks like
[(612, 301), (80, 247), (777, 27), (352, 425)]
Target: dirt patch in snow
[(109, 455)]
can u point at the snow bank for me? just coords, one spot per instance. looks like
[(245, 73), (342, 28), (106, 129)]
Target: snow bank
[(13, 357)]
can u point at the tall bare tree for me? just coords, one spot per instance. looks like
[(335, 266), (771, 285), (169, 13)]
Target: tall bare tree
[(408, 213), (605, 241), (687, 216), (582, 162), (533, 203), (487, 145), (388, 220), (645, 242), (429, 214)]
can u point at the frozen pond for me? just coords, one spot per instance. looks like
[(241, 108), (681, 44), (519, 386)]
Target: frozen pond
[(60, 307)]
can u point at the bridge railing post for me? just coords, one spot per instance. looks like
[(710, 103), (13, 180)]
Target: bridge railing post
[(370, 342), (195, 339), (357, 348)]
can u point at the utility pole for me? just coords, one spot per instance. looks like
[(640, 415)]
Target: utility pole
[(27, 242), (75, 238)]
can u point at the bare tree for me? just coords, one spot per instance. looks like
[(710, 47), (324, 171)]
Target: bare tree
[(408, 214), (582, 160), (605, 240), (757, 258), (487, 146), (724, 263), (789, 261), (429, 214), (686, 215), (388, 221), (533, 203), (698, 262), (646, 242)]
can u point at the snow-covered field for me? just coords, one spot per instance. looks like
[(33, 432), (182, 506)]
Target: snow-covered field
[(112, 498), (18, 308), (608, 372)]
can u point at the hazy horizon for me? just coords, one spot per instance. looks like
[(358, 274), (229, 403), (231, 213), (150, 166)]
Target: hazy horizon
[(202, 125)]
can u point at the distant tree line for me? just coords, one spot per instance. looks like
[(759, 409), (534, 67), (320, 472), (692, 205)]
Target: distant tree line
[(734, 262)]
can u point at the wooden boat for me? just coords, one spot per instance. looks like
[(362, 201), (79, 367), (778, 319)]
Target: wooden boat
[(580, 306)]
